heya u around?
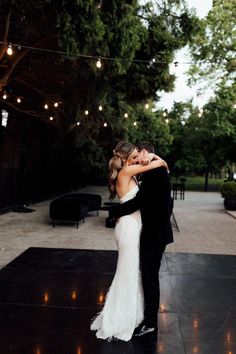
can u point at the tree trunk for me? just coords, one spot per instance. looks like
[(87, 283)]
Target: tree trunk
[(206, 180)]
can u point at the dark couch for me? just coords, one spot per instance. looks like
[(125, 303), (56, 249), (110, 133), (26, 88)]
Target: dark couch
[(74, 207), (94, 201)]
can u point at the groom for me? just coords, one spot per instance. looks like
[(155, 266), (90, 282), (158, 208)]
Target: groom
[(153, 200)]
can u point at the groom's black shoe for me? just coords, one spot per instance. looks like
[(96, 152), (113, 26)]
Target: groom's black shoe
[(144, 331)]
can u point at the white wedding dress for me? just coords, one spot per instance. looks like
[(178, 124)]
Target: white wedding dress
[(123, 309)]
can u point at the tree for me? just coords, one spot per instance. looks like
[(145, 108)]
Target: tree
[(145, 125), (218, 130), (213, 46), (56, 45), (206, 141), (140, 42), (36, 77)]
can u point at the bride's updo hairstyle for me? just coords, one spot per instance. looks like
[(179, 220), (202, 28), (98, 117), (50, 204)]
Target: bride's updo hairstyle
[(121, 154)]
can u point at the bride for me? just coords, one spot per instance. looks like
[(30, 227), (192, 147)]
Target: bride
[(123, 309)]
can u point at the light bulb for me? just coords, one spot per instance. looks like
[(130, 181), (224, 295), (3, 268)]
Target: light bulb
[(4, 96), (46, 106), (100, 108), (235, 105), (51, 118), (105, 124), (98, 63), (56, 104), (78, 123), (126, 115), (18, 100), (167, 121), (135, 123), (164, 114), (146, 105), (9, 50), (86, 112)]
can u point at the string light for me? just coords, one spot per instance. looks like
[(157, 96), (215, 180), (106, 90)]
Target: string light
[(100, 108), (9, 50), (98, 63), (235, 105), (200, 113)]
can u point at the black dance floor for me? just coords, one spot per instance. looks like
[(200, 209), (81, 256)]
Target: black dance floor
[(49, 296)]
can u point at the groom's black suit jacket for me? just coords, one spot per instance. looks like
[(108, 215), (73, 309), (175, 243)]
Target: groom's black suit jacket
[(153, 200)]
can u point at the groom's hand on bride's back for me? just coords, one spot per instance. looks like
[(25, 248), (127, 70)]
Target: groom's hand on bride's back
[(114, 213)]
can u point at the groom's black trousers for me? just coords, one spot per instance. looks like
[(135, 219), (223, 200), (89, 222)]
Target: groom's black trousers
[(150, 261)]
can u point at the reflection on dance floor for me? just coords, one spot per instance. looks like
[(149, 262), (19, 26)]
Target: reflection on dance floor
[(48, 298)]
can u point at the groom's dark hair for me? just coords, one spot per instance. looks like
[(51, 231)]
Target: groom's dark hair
[(145, 145)]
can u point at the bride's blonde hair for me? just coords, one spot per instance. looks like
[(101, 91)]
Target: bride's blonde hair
[(121, 154)]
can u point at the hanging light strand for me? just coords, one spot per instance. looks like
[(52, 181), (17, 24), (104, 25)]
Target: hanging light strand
[(96, 58)]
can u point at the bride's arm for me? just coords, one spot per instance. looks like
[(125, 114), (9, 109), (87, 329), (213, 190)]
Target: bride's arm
[(133, 170)]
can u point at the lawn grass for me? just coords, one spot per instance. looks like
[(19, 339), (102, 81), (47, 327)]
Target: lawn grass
[(197, 183)]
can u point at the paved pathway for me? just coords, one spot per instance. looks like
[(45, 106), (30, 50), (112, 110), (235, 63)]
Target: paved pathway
[(204, 225)]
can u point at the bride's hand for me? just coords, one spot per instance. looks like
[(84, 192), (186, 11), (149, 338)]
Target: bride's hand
[(149, 158), (165, 165), (152, 157)]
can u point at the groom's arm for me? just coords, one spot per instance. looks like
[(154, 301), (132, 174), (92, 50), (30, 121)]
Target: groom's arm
[(128, 207)]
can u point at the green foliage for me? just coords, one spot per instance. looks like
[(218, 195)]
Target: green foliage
[(228, 190), (125, 31), (213, 47), (204, 143), (150, 127), (142, 40)]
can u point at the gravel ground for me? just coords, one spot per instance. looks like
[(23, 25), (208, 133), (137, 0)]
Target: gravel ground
[(205, 227)]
